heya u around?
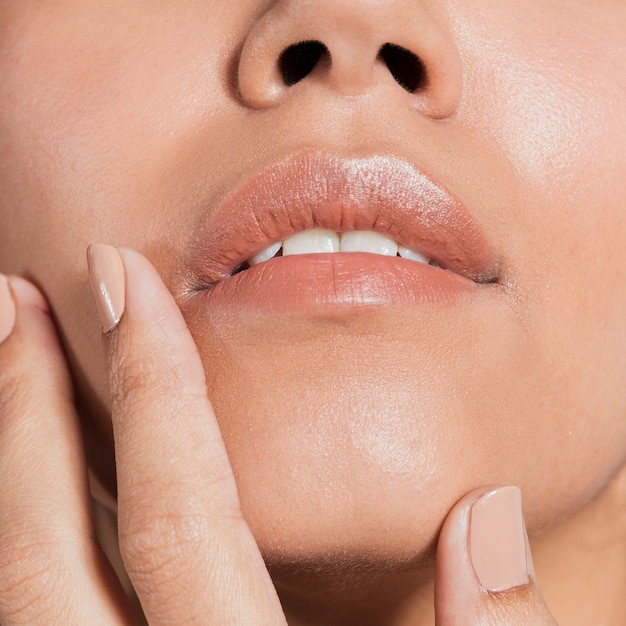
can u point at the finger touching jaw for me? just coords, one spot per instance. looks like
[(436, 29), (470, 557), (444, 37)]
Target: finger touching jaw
[(485, 572), (184, 542)]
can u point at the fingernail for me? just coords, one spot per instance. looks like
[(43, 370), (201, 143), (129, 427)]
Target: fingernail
[(107, 281), (7, 309), (498, 540)]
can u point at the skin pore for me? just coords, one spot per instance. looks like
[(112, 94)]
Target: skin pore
[(130, 122)]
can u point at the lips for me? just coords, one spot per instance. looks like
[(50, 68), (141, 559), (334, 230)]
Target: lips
[(383, 194)]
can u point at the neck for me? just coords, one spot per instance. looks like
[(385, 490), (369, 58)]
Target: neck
[(581, 563)]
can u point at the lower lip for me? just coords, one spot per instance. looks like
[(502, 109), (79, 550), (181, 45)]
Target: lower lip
[(333, 282)]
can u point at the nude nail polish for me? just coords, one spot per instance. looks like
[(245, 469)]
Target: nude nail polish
[(7, 309), (107, 281), (498, 540)]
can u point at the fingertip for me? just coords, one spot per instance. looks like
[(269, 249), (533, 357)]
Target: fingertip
[(484, 565), (153, 324), (26, 293), (147, 297), (455, 581), (497, 540), (7, 309), (108, 284), (139, 271), (486, 528), (15, 293)]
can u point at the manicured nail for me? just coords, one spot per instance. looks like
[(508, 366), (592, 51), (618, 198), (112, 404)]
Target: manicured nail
[(7, 309), (498, 540), (107, 280)]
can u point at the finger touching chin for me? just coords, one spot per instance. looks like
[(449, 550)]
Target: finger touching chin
[(485, 571)]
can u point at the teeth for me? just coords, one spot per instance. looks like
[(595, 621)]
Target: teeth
[(407, 253), (368, 241), (311, 241), (318, 240), (265, 255)]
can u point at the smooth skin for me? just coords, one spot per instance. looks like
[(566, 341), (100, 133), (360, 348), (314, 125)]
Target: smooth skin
[(127, 122)]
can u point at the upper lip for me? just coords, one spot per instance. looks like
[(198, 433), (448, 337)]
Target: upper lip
[(307, 190)]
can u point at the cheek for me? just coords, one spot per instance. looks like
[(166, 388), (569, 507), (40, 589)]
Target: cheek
[(559, 118), (553, 98), (94, 113)]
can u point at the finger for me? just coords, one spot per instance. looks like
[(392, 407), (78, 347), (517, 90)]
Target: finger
[(485, 573), (190, 555), (51, 568)]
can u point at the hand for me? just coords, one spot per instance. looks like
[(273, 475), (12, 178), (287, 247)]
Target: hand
[(187, 549)]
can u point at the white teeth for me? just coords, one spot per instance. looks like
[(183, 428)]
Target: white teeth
[(318, 240), (368, 241), (407, 253), (311, 241), (265, 255)]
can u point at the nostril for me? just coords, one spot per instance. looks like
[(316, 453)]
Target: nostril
[(406, 68), (297, 61)]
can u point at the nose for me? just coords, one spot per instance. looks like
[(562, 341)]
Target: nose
[(351, 46)]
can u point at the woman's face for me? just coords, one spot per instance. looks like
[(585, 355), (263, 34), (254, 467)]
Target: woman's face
[(358, 398)]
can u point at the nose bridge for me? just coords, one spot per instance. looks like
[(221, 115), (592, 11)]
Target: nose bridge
[(354, 39)]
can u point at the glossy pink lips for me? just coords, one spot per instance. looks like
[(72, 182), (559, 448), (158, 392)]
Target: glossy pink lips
[(317, 190)]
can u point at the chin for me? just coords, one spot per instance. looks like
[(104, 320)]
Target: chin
[(347, 449)]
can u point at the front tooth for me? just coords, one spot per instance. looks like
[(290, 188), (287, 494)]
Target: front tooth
[(407, 253), (368, 241), (265, 255), (311, 242)]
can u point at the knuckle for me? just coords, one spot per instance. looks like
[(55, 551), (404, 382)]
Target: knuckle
[(159, 545), (128, 377), (23, 388), (133, 377), (23, 556), (153, 360), (159, 541), (30, 570)]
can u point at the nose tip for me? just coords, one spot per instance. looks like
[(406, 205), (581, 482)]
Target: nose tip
[(350, 46)]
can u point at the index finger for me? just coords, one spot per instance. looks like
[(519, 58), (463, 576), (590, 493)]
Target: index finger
[(188, 551)]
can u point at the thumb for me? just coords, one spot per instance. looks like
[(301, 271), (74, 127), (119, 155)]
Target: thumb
[(485, 573)]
